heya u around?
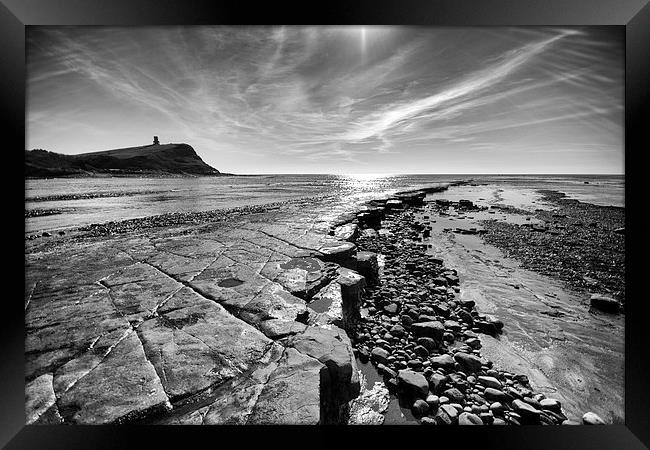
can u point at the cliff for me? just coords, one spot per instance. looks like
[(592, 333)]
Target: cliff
[(166, 159)]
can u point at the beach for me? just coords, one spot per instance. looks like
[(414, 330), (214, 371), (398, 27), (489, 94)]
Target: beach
[(325, 301)]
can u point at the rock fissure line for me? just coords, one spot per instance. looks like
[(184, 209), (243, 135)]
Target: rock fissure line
[(135, 331), (186, 404), (195, 290), (154, 313), (214, 260), (284, 240), (29, 297), (264, 383), (112, 300), (267, 248), (104, 356)]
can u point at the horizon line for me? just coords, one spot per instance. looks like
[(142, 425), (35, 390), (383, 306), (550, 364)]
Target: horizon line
[(426, 173)]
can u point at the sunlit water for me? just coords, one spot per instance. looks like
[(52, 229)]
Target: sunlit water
[(142, 197)]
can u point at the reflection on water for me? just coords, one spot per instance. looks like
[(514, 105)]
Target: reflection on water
[(141, 197)]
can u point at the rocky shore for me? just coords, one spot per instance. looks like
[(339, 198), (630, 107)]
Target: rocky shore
[(256, 316), (89, 195), (39, 212), (426, 343), (579, 243), (200, 322), (175, 219)]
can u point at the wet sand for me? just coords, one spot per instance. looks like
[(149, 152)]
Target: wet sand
[(567, 350)]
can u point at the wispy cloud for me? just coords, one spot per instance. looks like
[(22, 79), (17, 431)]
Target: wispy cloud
[(472, 85), (320, 96)]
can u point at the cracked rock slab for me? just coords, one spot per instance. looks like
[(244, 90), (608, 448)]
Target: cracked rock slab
[(58, 331), (302, 277), (39, 398), (196, 343), (138, 290), (331, 347), (122, 387), (292, 394)]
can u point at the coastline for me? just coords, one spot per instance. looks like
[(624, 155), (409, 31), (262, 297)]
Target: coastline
[(289, 217), (579, 243)]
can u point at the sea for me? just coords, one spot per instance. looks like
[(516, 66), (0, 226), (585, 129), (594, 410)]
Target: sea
[(66, 203)]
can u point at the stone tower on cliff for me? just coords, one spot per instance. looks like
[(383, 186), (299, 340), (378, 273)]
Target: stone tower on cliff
[(155, 140)]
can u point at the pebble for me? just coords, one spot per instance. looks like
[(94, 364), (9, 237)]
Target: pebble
[(490, 382), (590, 418), (420, 408), (418, 321), (379, 355)]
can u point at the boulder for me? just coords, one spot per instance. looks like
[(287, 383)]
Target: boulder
[(437, 383), (431, 329), (452, 325), (495, 395), (351, 287), (370, 218), (529, 414), (367, 266), (394, 204), (446, 415), (443, 361), (340, 252), (433, 401), (497, 409), (391, 308), (420, 408), (331, 347), (467, 418), (605, 303), (590, 418), (468, 362), (428, 343), (348, 232), (454, 395), (490, 382), (379, 355), (551, 404), (412, 384)]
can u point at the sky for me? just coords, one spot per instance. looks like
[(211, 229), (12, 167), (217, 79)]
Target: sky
[(343, 100)]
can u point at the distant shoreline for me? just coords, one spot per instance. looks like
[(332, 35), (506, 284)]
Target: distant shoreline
[(173, 175), (132, 175)]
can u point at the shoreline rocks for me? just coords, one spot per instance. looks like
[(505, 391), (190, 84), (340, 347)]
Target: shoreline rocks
[(580, 243), (605, 303), (414, 325)]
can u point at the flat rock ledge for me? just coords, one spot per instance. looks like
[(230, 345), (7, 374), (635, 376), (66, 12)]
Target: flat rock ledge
[(240, 323)]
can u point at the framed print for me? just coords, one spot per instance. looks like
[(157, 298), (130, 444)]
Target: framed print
[(247, 221)]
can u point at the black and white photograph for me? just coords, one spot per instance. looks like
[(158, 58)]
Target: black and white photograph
[(327, 224)]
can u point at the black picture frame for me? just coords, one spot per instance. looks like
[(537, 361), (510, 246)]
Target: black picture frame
[(634, 15)]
